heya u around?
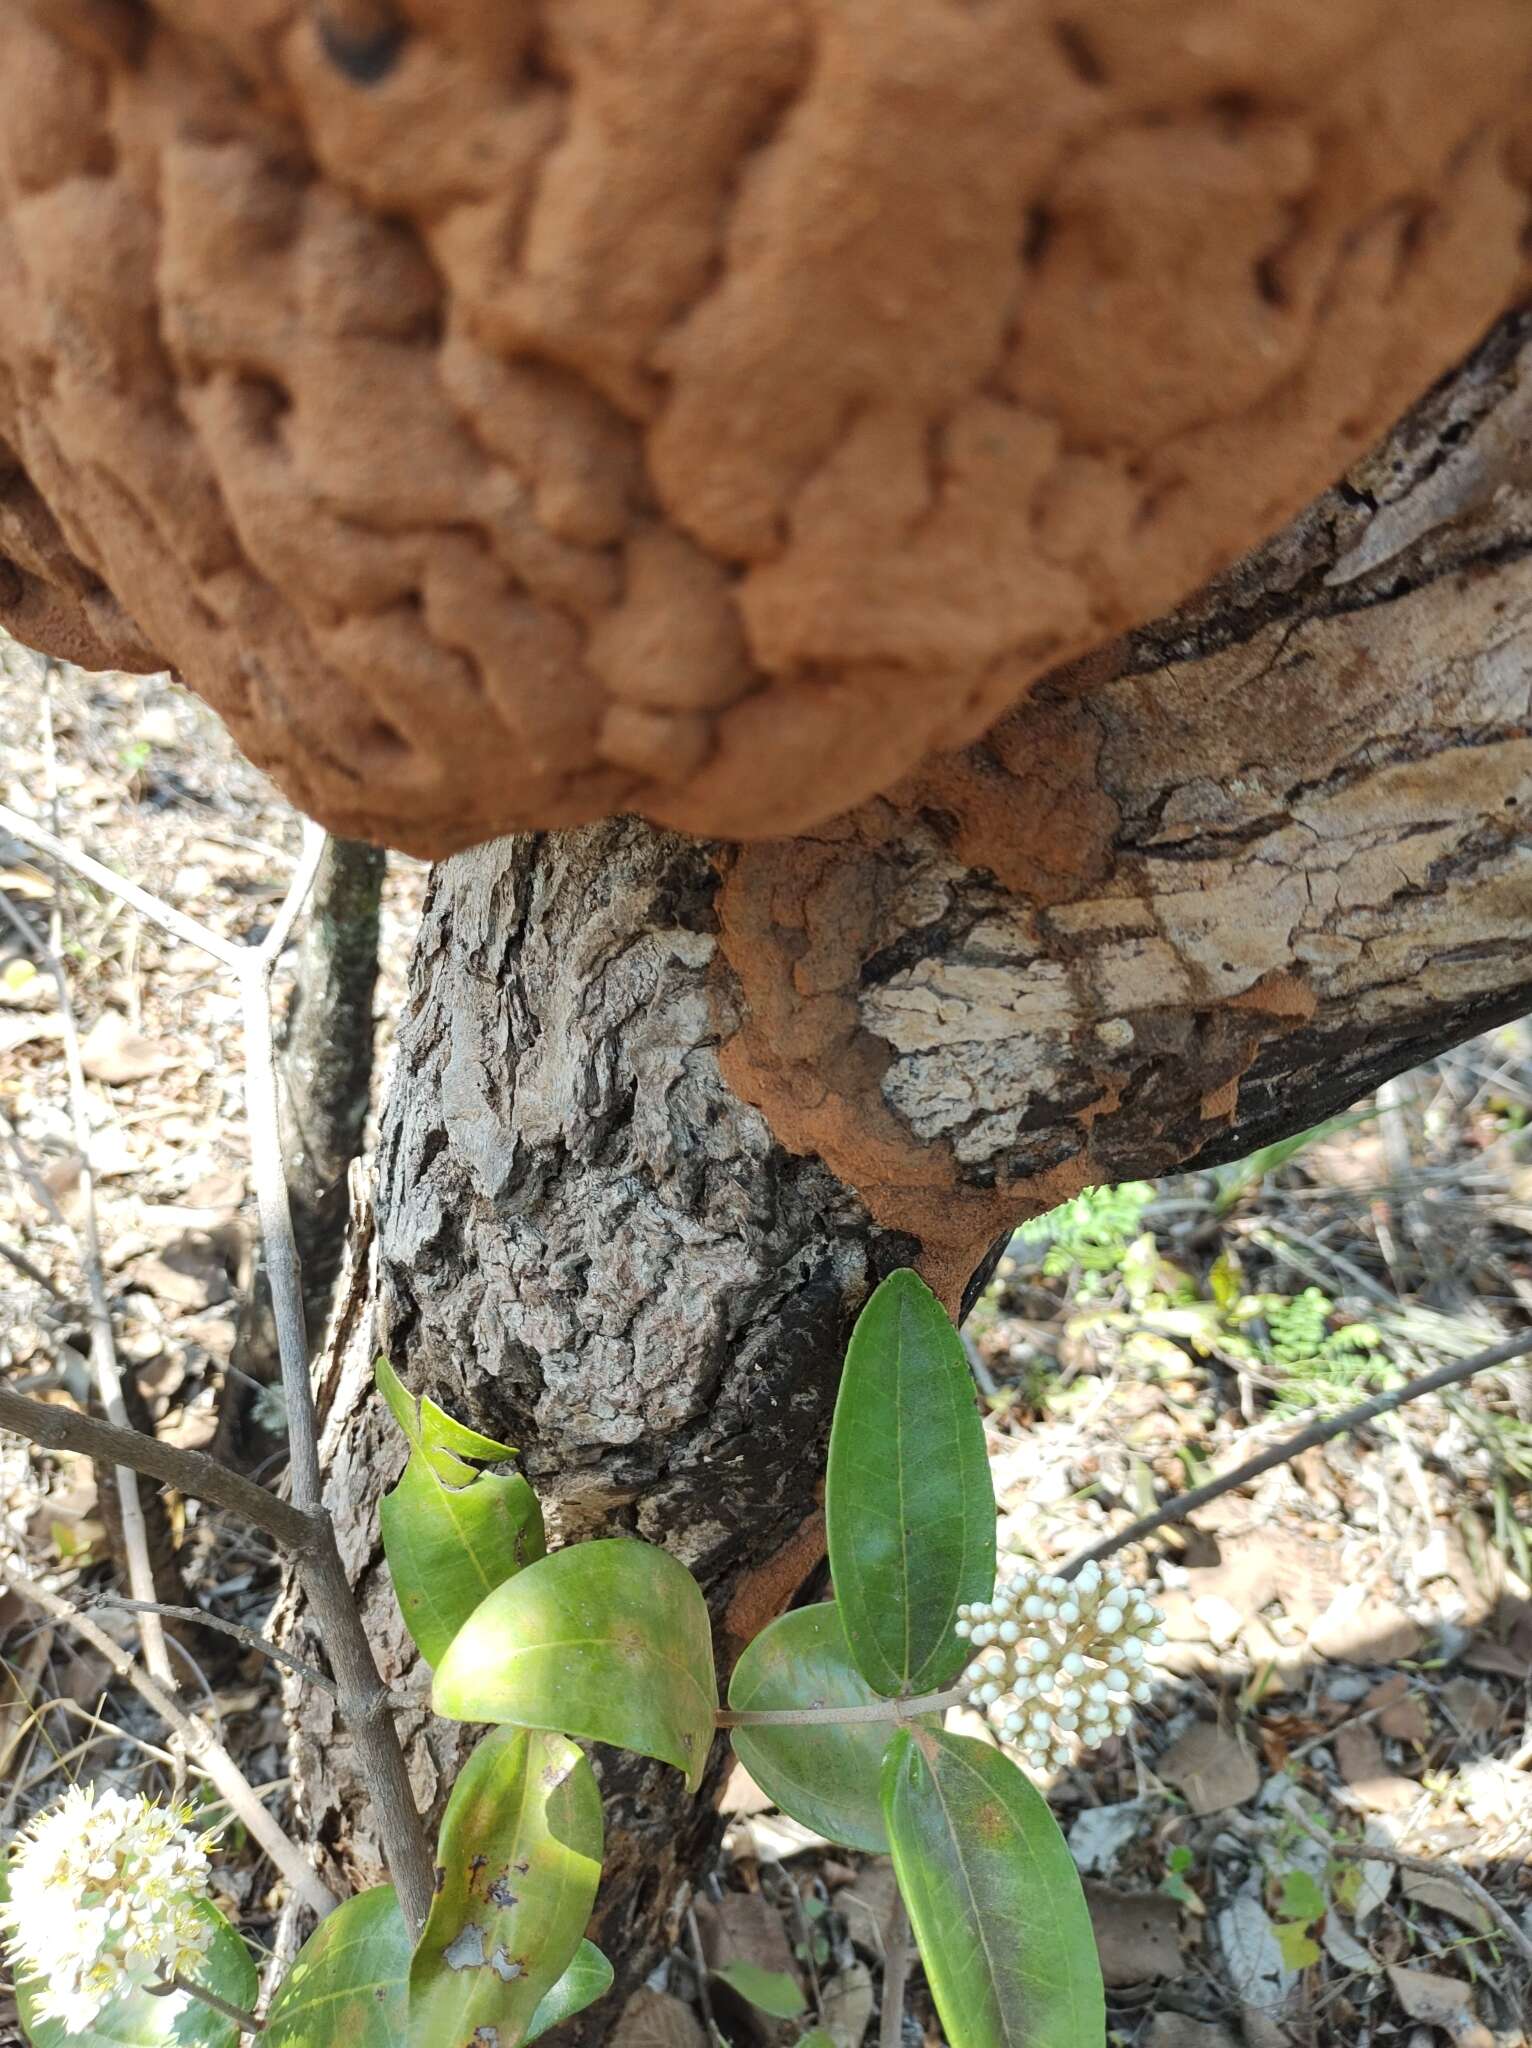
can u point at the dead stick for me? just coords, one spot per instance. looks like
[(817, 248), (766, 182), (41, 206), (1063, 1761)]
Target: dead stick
[(363, 1698), (189, 1472), (236, 1629), (896, 1970), (202, 1746), (1180, 1505)]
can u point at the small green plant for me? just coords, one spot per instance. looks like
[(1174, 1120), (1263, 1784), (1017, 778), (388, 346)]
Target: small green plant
[(1091, 1233), (837, 1710)]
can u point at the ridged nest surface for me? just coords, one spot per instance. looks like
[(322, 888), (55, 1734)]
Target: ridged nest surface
[(510, 414)]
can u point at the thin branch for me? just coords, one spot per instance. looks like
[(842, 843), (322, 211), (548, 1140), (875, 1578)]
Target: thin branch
[(201, 1745), (245, 2021), (237, 1629), (364, 1700), (165, 915), (833, 1717), (896, 1970), (189, 1472), (25, 1267), (1180, 1505), (1427, 1866), (103, 1342), (270, 950)]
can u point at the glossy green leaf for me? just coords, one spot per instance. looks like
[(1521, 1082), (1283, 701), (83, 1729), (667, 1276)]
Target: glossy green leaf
[(827, 1777), (994, 1897), (349, 1981), (769, 1991), (588, 1978), (142, 2021), (607, 1640), (518, 1862), (447, 1546), (909, 1507), (441, 1440)]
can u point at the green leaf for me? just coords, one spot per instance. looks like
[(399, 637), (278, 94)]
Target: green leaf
[(994, 1897), (447, 1546), (141, 2021), (349, 1981), (1299, 1948), (518, 1862), (588, 1978), (607, 1640), (827, 1777), (442, 1441), (1303, 1896), (909, 1507), (769, 1991)]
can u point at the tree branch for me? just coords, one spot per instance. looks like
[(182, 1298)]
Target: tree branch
[(1180, 1505), (201, 1745), (248, 1636), (189, 1472), (363, 1698)]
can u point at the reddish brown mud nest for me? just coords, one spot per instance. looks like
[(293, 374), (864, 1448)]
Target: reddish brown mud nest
[(509, 413)]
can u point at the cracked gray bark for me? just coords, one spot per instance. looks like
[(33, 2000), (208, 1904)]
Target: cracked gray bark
[(663, 1114)]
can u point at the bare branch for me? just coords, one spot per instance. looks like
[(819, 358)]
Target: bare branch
[(1180, 1505), (896, 1970), (248, 1636), (200, 1744), (190, 1472), (363, 1698), (169, 919)]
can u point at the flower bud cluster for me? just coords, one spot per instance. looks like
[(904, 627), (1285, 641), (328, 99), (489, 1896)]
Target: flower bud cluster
[(1059, 1663), (104, 1899)]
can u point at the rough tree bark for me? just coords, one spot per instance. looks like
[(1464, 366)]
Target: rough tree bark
[(663, 1113)]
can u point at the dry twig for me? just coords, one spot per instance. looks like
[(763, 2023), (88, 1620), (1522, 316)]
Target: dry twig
[(201, 1746)]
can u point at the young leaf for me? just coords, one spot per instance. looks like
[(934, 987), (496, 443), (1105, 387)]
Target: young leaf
[(143, 2021), (769, 1991), (827, 1777), (588, 1978), (443, 1442), (447, 1546), (994, 1897), (518, 1860), (607, 1640), (349, 1981), (909, 1508)]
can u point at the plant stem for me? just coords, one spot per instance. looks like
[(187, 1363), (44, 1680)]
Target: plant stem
[(245, 2021), (1180, 1505), (829, 1717)]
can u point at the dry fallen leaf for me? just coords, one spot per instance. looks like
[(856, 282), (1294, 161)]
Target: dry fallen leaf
[(1359, 1758), (653, 2019), (1441, 1895), (114, 1053), (1175, 2030), (1138, 1934), (1361, 1626), (1445, 2002), (1473, 1707), (1212, 1767)]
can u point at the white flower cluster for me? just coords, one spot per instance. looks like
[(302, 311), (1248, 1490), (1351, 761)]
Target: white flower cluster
[(104, 1894), (1059, 1663)]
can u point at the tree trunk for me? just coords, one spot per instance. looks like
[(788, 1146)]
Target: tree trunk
[(664, 1113)]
